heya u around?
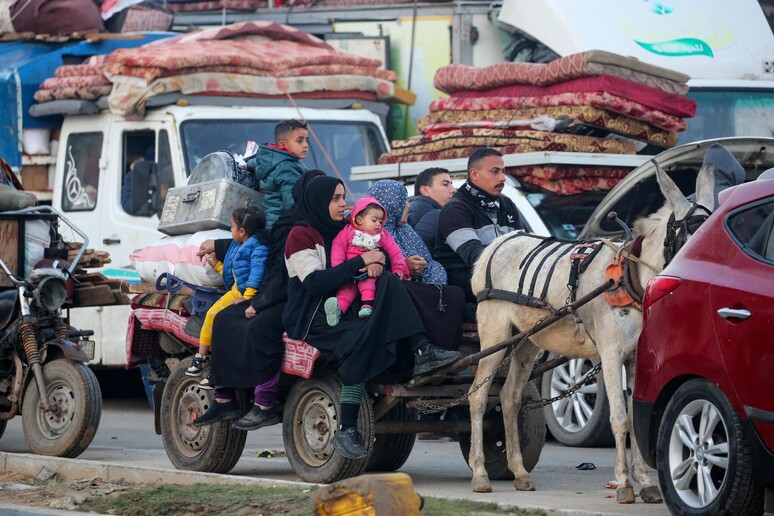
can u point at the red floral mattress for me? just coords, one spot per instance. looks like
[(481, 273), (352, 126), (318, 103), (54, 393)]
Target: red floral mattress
[(598, 99), (568, 179), (460, 77), (669, 103)]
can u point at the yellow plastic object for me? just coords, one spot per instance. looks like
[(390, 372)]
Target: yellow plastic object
[(385, 494)]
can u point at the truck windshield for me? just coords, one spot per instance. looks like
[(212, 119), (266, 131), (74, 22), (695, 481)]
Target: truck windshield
[(349, 144), (729, 113)]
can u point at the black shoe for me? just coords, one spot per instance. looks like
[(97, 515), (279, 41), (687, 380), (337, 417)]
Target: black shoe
[(197, 365), (218, 412), (428, 358), (349, 443), (257, 418)]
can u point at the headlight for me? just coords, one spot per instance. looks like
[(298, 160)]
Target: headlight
[(51, 293)]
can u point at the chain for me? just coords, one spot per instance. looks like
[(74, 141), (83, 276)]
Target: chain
[(536, 404)]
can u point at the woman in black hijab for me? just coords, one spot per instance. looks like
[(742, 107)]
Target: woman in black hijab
[(251, 334), (362, 348)]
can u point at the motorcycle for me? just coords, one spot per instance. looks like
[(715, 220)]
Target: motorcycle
[(43, 372)]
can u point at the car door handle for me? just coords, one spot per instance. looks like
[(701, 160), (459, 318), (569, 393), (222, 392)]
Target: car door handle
[(111, 241), (734, 313)]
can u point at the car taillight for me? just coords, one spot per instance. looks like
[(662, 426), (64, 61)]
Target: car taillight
[(658, 287)]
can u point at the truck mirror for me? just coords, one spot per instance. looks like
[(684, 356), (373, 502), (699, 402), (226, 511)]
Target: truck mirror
[(145, 188)]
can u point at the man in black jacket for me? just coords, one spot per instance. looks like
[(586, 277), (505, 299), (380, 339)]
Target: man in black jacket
[(474, 217), (432, 190)]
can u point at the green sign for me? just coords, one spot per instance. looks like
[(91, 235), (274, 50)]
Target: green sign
[(678, 47)]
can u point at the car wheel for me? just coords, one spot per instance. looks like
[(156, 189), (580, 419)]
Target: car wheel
[(705, 462), (582, 419)]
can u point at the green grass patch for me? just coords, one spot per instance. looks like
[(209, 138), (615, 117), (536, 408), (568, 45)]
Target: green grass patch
[(174, 500)]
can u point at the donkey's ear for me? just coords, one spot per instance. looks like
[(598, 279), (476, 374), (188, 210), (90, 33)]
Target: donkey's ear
[(705, 186), (674, 196)]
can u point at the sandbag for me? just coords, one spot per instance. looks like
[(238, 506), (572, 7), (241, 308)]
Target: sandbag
[(12, 199)]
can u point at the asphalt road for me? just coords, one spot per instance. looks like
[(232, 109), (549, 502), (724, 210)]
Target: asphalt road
[(126, 437)]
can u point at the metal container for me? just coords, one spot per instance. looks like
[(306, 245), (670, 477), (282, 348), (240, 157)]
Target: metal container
[(203, 206)]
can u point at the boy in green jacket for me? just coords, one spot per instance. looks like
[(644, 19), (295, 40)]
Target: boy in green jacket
[(278, 166)]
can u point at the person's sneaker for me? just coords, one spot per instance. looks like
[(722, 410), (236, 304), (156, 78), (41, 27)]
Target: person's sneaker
[(257, 418), (218, 412), (197, 365), (332, 311), (205, 384), (349, 443), (365, 311), (428, 358)]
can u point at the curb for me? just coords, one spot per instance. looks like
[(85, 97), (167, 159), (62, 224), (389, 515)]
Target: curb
[(80, 469)]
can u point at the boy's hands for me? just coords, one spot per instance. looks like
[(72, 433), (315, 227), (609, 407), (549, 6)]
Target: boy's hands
[(206, 247)]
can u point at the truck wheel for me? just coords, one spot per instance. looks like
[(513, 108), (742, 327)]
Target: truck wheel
[(73, 392), (309, 420), (391, 451), (213, 448), (705, 459), (532, 437), (582, 419)]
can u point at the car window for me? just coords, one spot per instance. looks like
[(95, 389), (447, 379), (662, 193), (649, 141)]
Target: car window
[(565, 215), (645, 198), (81, 179), (752, 227)]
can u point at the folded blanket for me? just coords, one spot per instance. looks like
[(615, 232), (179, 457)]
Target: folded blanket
[(669, 103), (83, 93), (597, 99), (459, 77), (567, 119), (573, 185), (128, 100), (566, 171)]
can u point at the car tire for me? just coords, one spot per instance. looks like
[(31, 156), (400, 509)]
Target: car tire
[(391, 451), (562, 416), (310, 416), (682, 467), (213, 448), (532, 438)]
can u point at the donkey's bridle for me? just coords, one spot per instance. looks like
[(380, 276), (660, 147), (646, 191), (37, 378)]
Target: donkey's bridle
[(678, 231)]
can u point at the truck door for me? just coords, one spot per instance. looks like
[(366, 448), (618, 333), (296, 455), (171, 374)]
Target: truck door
[(131, 223)]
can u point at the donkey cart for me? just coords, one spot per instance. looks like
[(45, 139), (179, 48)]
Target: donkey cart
[(309, 403)]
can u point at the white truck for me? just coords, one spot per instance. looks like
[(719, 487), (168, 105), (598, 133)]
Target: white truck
[(96, 151)]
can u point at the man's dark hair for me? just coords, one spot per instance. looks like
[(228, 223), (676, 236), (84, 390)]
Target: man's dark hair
[(283, 129), (481, 153), (250, 218), (425, 178)]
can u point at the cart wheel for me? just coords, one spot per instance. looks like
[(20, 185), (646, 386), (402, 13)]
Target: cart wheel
[(391, 451), (213, 448), (309, 420), (74, 393), (532, 437)]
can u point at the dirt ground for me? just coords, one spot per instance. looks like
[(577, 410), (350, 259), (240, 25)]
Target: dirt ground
[(53, 493)]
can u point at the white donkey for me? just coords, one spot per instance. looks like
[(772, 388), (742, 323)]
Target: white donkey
[(611, 332)]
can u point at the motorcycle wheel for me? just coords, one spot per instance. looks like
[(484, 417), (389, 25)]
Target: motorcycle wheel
[(72, 388)]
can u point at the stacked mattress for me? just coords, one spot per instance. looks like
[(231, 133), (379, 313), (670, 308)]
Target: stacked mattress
[(588, 102), (251, 59)]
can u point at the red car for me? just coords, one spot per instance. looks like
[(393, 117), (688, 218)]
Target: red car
[(704, 391)]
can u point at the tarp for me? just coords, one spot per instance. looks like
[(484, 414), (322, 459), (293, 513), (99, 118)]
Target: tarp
[(706, 39), (24, 65)]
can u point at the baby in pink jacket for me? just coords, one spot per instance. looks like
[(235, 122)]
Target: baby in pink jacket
[(364, 234)]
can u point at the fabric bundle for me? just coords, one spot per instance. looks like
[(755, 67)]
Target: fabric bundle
[(593, 101), (250, 59)]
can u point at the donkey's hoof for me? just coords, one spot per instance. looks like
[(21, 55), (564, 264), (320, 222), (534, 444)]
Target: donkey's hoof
[(624, 494), (481, 485), (524, 484), (651, 494)]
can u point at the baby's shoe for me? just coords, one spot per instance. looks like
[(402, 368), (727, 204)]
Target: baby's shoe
[(332, 311), (197, 365), (365, 311)]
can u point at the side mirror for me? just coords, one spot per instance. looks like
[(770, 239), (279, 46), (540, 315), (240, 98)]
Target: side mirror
[(145, 191)]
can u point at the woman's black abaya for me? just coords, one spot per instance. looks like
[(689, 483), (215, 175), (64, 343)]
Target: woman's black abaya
[(248, 352)]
